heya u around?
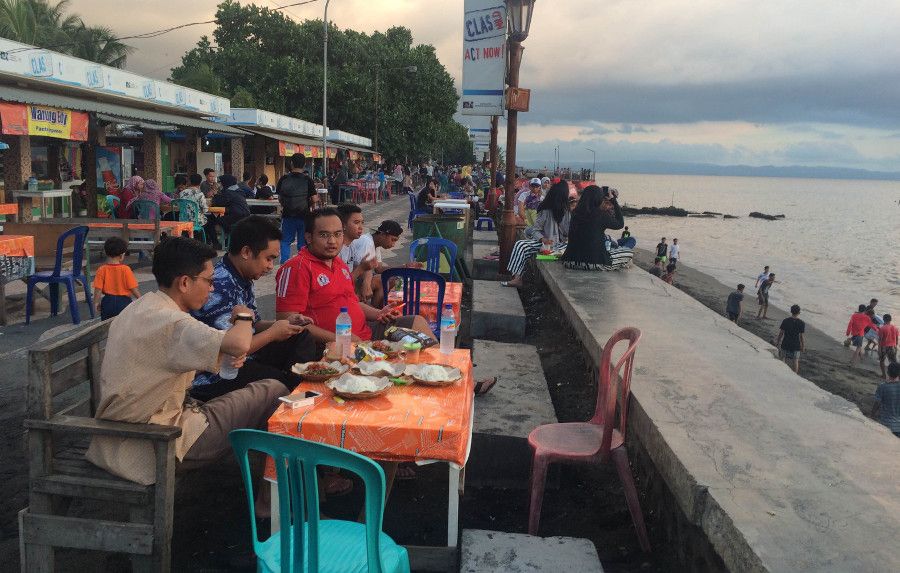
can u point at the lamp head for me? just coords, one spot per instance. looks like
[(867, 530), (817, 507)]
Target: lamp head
[(519, 13)]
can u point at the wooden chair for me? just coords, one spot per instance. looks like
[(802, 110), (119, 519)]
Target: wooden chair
[(62, 392)]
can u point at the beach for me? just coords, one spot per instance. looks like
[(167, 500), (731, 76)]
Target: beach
[(825, 362)]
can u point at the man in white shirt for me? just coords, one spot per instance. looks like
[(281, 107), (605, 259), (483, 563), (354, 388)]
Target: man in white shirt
[(763, 276), (368, 248), (674, 251)]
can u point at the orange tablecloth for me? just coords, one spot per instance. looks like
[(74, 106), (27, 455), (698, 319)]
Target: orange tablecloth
[(17, 245), (408, 423), (9, 208), (174, 228), (428, 304)]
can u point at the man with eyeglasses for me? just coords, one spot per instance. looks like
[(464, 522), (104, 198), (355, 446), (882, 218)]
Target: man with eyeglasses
[(153, 351), (317, 284)]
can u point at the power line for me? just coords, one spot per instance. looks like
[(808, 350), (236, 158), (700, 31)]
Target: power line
[(154, 34)]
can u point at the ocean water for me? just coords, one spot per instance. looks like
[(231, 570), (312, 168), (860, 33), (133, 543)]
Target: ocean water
[(838, 246)]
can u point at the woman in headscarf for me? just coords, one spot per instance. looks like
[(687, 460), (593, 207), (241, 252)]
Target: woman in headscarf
[(152, 192), (549, 232), (588, 248), (132, 189)]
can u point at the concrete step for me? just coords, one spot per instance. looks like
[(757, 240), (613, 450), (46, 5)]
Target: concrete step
[(504, 417), (483, 269), (486, 551), (519, 401), (497, 312)]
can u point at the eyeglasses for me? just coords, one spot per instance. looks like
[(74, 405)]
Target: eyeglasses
[(209, 280), (325, 235)]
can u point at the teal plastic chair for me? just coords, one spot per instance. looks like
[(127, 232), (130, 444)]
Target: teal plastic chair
[(112, 203), (305, 543), (189, 211), (145, 210)]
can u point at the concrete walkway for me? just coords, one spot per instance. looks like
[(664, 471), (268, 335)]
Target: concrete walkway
[(777, 473)]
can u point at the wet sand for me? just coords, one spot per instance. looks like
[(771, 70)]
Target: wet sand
[(825, 362)]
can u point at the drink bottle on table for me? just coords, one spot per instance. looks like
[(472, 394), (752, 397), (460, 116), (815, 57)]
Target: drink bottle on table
[(343, 328), (448, 330)]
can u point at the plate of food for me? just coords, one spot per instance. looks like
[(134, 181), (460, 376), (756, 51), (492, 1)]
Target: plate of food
[(355, 387), (319, 371), (380, 368), (433, 374)]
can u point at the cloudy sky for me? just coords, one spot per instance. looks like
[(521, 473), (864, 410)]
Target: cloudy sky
[(740, 82)]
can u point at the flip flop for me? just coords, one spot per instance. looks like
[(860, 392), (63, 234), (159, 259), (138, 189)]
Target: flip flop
[(335, 485), (482, 387), (506, 284)]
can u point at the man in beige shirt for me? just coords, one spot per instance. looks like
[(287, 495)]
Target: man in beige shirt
[(154, 349)]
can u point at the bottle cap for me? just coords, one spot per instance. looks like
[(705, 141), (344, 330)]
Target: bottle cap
[(343, 309)]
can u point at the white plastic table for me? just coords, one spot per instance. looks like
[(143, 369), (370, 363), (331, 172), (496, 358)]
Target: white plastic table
[(44, 195)]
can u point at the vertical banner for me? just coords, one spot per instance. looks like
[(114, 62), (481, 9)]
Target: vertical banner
[(484, 57)]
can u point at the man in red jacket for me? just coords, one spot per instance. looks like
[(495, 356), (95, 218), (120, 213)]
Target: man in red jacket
[(856, 330)]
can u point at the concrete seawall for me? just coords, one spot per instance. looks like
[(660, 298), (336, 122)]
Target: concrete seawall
[(778, 474)]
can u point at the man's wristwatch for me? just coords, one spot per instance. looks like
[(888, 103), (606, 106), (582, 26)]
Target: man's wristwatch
[(243, 316)]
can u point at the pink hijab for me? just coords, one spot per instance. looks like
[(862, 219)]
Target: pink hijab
[(128, 194)]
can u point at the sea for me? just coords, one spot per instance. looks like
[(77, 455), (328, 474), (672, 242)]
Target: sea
[(837, 247)]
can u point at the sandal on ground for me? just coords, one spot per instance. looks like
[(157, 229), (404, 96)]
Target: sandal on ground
[(405, 471), (335, 485), (509, 284), (484, 386)]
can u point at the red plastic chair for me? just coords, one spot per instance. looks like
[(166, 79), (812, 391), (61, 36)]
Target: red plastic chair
[(594, 441)]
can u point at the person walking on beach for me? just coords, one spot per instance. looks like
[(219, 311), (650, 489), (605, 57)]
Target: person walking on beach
[(657, 268), (674, 252), (887, 400), (873, 302), (790, 339), (762, 276), (669, 275), (887, 343), (856, 330), (734, 306), (662, 249), (762, 296)]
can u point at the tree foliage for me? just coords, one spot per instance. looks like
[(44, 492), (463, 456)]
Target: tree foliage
[(40, 23), (279, 62)]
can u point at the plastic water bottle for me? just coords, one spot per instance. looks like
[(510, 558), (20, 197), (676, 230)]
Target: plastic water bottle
[(226, 370), (32, 184), (343, 328), (448, 330)]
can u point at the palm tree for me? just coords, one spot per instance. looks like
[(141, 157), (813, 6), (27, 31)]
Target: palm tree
[(17, 21), (99, 44), (54, 27)]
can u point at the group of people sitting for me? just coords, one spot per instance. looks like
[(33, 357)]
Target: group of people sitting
[(573, 227), (208, 312)]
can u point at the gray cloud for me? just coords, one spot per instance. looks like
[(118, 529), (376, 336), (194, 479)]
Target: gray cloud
[(784, 100)]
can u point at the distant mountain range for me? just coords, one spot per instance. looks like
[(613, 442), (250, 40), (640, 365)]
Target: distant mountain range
[(674, 168)]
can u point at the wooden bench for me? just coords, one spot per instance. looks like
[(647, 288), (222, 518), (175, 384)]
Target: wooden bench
[(62, 394)]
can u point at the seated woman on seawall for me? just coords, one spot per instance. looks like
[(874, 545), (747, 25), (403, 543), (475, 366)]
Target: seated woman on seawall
[(549, 232), (597, 211)]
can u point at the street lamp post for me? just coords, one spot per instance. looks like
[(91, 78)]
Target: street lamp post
[(593, 164), (519, 14), (408, 69), (325, 100)]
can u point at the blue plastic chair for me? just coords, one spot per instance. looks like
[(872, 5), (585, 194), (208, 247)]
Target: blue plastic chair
[(145, 209), (412, 290), (112, 203), (305, 543), (413, 211), (433, 255), (488, 220), (189, 210), (57, 276)]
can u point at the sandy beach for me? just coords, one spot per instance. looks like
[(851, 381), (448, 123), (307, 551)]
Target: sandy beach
[(825, 362)]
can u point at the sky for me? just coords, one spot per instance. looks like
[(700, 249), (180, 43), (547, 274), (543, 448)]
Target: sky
[(758, 82)]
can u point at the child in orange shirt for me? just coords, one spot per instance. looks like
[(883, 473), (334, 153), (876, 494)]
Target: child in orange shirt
[(114, 280)]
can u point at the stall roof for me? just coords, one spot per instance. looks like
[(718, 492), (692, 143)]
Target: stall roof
[(16, 94), (287, 138)]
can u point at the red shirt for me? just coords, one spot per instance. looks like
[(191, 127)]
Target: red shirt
[(887, 335), (305, 284), (858, 323)]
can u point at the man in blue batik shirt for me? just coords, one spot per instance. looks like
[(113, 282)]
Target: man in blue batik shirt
[(277, 345)]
